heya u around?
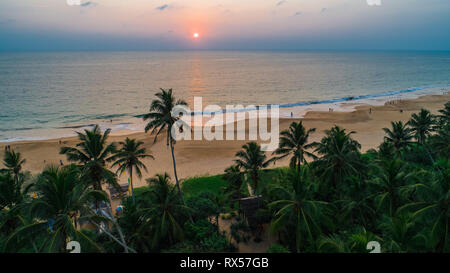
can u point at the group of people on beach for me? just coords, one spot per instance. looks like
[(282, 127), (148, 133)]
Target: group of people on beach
[(7, 148)]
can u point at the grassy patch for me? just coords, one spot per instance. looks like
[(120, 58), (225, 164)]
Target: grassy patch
[(196, 185)]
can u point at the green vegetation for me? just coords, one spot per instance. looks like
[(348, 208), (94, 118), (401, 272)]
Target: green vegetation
[(331, 199), (193, 187)]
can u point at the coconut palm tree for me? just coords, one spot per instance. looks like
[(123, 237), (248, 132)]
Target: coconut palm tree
[(14, 200), (13, 161), (164, 215), (12, 189), (294, 142), (445, 113), (421, 125), (129, 157), (252, 159), (160, 117), (402, 232), (61, 198), (386, 150), (389, 185), (340, 156), (92, 153), (432, 192), (400, 135), (234, 176), (440, 141), (300, 208)]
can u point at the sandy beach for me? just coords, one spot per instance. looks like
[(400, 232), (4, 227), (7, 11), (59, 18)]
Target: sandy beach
[(196, 158)]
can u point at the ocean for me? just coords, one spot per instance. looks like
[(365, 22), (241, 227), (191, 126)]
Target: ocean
[(52, 94)]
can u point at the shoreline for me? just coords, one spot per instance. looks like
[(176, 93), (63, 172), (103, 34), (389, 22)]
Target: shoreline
[(202, 157), (135, 124)]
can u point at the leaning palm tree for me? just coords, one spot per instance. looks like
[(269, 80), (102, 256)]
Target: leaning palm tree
[(294, 142), (61, 199), (92, 153), (300, 208), (129, 157), (400, 136), (160, 117), (421, 125), (13, 161), (252, 159)]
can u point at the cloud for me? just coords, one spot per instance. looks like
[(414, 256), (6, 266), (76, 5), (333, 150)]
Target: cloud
[(81, 3), (163, 7), (281, 3), (298, 13)]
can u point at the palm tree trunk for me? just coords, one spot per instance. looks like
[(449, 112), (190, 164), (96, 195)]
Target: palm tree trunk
[(122, 242), (298, 233), (131, 185), (255, 181), (175, 171), (176, 177)]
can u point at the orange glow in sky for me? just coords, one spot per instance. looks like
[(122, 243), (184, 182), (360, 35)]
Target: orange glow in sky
[(195, 35)]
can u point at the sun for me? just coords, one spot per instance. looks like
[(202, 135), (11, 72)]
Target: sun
[(195, 35)]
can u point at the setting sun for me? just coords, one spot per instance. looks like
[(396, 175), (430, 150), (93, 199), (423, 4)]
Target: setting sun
[(196, 35)]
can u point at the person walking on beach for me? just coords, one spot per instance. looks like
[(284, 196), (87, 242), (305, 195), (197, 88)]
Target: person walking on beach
[(60, 162)]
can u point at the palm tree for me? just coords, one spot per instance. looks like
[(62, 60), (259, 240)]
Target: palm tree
[(299, 208), (13, 161), (440, 141), (252, 159), (340, 155), (421, 125), (61, 198), (92, 153), (12, 190), (234, 177), (386, 150), (400, 135), (445, 113), (13, 200), (389, 185), (160, 117), (401, 230), (129, 158), (294, 141), (433, 204), (165, 212)]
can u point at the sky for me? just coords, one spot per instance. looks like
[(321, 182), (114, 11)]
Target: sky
[(46, 25)]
